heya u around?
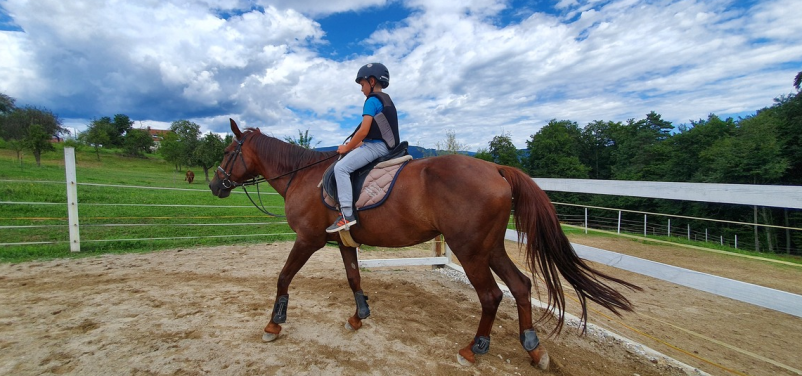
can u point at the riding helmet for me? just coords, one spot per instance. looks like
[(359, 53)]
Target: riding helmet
[(375, 70)]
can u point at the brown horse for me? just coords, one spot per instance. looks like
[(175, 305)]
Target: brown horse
[(467, 200), (190, 177)]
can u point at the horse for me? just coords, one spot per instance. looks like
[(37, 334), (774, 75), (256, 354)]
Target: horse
[(467, 200), (190, 177)]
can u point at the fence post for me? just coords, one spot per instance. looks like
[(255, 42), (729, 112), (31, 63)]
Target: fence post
[(669, 227), (736, 241), (689, 231), (619, 221), (644, 225), (586, 220), (72, 199)]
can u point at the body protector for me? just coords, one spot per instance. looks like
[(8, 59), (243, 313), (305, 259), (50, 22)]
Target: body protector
[(385, 123)]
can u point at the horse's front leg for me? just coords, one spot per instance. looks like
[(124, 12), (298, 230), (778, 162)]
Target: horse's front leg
[(354, 280), (299, 255)]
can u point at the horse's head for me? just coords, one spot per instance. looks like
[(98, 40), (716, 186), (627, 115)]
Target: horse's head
[(237, 165)]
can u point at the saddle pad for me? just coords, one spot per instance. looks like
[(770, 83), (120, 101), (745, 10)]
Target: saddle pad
[(377, 184)]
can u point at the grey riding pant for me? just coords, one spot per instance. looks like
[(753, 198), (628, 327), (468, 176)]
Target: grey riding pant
[(361, 156)]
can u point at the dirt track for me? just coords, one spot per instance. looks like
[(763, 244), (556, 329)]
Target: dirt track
[(201, 311)]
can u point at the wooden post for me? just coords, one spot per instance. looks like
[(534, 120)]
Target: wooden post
[(438, 248), (72, 199)]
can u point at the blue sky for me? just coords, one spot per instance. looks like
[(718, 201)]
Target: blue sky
[(478, 67)]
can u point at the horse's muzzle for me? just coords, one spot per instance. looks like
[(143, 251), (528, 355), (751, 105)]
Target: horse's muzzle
[(216, 186)]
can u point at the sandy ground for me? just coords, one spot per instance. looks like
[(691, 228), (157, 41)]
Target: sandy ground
[(201, 311)]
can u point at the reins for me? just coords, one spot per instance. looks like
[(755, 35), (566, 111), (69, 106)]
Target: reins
[(228, 183), (256, 181)]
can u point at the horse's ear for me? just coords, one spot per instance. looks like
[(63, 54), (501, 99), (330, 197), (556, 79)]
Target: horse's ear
[(235, 129)]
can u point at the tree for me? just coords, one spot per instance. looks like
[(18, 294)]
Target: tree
[(484, 155), (188, 140), (97, 135), (641, 151), (137, 142), (170, 149), (115, 129), (303, 140), (788, 111), (209, 151), (6, 104), (38, 141), (752, 156), (450, 145), (121, 125), (15, 127), (503, 151), (554, 151), (689, 143), (598, 146)]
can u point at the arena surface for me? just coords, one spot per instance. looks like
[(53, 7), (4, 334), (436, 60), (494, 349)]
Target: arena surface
[(201, 311)]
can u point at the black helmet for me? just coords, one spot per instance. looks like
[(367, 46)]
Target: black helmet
[(375, 70)]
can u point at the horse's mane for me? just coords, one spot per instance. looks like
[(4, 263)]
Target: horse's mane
[(285, 156)]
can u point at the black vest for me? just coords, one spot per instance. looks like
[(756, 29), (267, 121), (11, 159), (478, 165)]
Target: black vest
[(385, 124)]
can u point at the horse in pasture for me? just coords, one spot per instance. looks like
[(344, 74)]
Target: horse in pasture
[(190, 177), (467, 200)]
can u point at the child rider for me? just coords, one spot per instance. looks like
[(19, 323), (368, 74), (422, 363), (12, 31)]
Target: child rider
[(374, 138)]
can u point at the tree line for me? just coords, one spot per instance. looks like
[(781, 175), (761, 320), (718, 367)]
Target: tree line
[(764, 148), (32, 128)]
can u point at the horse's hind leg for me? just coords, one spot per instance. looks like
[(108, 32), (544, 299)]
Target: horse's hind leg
[(490, 297), (354, 280), (299, 255), (521, 287)]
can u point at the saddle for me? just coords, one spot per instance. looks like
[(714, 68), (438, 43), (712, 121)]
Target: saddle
[(371, 184)]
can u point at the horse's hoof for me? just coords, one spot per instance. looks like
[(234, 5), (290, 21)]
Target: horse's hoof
[(353, 324), (466, 357), (540, 358), (269, 337), (462, 361)]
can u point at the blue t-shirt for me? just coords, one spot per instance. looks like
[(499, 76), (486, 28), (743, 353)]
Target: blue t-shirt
[(373, 106)]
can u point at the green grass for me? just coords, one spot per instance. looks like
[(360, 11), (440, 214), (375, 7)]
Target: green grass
[(679, 241), (237, 222), (141, 216)]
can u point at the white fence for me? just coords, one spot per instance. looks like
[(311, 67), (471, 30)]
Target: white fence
[(74, 225), (778, 196)]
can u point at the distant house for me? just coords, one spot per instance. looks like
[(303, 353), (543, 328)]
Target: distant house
[(157, 135)]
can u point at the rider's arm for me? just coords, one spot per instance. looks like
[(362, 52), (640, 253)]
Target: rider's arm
[(359, 136)]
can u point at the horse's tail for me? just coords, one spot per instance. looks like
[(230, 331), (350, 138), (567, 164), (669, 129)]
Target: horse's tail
[(548, 252)]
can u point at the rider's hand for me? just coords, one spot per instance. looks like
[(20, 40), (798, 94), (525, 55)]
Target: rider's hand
[(342, 149)]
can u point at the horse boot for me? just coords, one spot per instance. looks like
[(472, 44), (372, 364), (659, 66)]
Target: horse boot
[(273, 328), (539, 355), (467, 355)]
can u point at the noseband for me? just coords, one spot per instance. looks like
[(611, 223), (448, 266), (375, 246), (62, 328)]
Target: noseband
[(227, 182)]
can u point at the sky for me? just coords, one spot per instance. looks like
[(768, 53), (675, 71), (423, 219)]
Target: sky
[(479, 68)]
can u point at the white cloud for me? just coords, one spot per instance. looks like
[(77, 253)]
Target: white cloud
[(454, 64)]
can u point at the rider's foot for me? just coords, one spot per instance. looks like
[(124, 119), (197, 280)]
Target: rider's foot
[(342, 223)]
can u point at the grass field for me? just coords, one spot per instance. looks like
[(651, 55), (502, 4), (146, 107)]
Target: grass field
[(133, 204), (117, 219)]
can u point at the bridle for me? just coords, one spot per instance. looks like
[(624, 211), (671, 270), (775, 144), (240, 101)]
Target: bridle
[(230, 184), (227, 182)]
